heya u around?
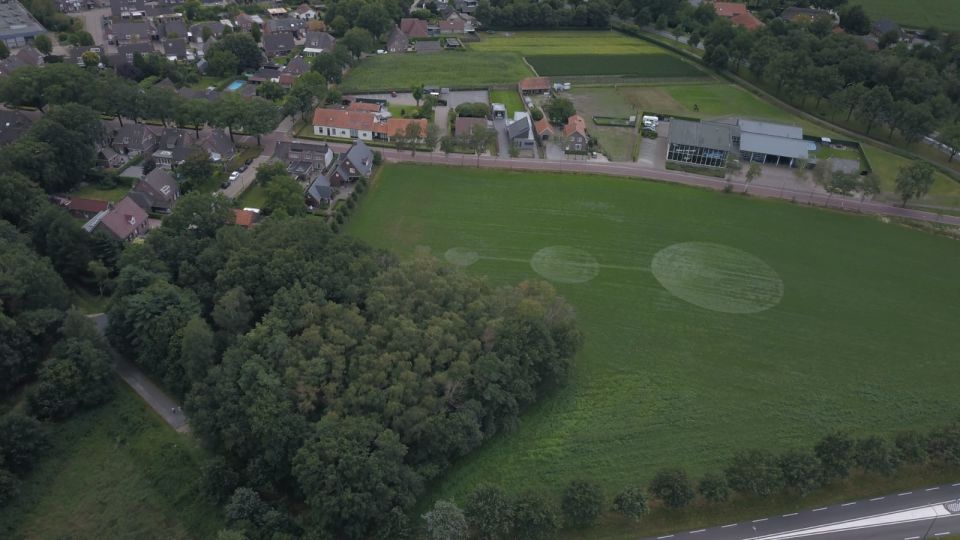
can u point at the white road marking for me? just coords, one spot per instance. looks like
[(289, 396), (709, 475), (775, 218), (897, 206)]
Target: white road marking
[(728, 526), (877, 499), (819, 509), (932, 489), (912, 538), (942, 533), (697, 531), (957, 484), (759, 520), (790, 515), (902, 494), (662, 537), (848, 504)]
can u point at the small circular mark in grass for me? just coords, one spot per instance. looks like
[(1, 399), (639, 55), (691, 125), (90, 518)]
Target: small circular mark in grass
[(718, 277), (461, 256), (565, 264)]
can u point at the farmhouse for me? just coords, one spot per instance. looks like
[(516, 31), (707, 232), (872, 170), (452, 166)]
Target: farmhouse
[(576, 133), (344, 124), (710, 143), (534, 85), (737, 14)]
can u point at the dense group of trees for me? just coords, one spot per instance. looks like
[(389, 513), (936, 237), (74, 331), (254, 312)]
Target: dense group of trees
[(326, 371), (547, 14)]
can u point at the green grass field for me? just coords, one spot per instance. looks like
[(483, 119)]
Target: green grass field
[(657, 66), (463, 69), (817, 321), (510, 98), (589, 42), (91, 191), (943, 14), (114, 472)]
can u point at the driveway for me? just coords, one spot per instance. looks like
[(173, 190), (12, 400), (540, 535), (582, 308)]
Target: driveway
[(238, 186), (441, 116), (93, 23), (503, 140)]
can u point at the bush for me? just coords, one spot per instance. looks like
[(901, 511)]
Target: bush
[(582, 503), (943, 444), (630, 503), (713, 487), (22, 441), (377, 157), (536, 115), (445, 522), (800, 470), (672, 487), (488, 512), (877, 455), (754, 472), (533, 518), (911, 446), (836, 454)]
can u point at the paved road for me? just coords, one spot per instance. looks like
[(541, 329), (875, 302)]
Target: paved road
[(909, 515), (159, 401), (636, 170), (238, 186)]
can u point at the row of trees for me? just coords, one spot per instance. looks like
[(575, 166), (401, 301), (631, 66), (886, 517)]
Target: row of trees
[(489, 514), (344, 390), (547, 14)]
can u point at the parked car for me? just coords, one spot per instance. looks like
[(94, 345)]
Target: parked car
[(242, 168), (234, 175), (393, 93), (248, 161), (225, 184)]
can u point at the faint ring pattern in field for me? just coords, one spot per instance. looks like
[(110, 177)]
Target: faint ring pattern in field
[(461, 256), (718, 277), (565, 264)]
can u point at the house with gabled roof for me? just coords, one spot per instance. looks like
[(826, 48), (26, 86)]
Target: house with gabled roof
[(344, 123), (397, 41), (278, 44), (13, 124), (173, 147), (738, 14), (534, 85), (414, 28), (158, 191), (134, 139), (576, 133), (304, 158), (125, 221), (305, 12), (218, 145), (520, 131), (358, 161), (318, 42)]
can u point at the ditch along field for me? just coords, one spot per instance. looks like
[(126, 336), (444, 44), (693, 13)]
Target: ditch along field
[(589, 53), (944, 14), (712, 322), (114, 472)]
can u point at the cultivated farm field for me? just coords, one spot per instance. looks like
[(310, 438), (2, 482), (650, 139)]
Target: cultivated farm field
[(114, 472), (944, 14), (452, 69), (712, 322), (658, 66)]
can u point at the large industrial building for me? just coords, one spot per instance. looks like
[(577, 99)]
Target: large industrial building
[(710, 143), (17, 26)]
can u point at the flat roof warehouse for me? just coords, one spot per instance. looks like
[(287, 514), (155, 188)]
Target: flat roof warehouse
[(709, 143), (17, 26)]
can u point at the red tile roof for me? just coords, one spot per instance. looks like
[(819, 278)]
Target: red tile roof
[(456, 26), (543, 126), (535, 83), (575, 124), (87, 205), (344, 119), (244, 218), (414, 28), (363, 106), (397, 126), (464, 125), (737, 14)]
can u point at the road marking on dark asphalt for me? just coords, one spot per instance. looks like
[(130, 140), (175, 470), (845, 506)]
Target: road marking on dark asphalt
[(848, 504), (728, 526), (697, 531), (759, 520), (912, 538), (902, 494), (662, 537), (789, 515), (957, 484), (942, 533), (877, 499), (932, 489), (819, 509)]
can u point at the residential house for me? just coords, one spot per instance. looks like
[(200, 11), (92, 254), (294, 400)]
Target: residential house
[(294, 27), (278, 44), (173, 147), (358, 161), (344, 124), (737, 14), (174, 28), (520, 131), (9, 65), (125, 221), (127, 9), (13, 124), (134, 139), (543, 129), (245, 217), (175, 49), (414, 28), (208, 94), (397, 41), (303, 158), (130, 32), (126, 52), (218, 144), (427, 46), (267, 73), (158, 191), (463, 125), (318, 42), (367, 106), (576, 133), (109, 158), (452, 26), (196, 30), (466, 6), (296, 67), (246, 21), (320, 192), (885, 26), (82, 208), (534, 85), (305, 12), (75, 53), (397, 127)]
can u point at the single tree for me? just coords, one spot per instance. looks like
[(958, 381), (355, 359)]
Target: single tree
[(713, 487), (43, 44), (533, 518), (753, 172), (489, 514), (754, 472), (100, 273), (672, 487), (559, 109), (630, 503), (418, 93), (22, 441), (432, 136), (448, 144), (581, 504), (445, 522), (412, 134), (836, 454), (950, 136), (800, 470), (914, 181), (869, 187), (876, 455), (195, 170), (255, 32), (480, 138)]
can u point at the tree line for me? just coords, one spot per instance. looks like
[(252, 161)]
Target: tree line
[(488, 513), (327, 374)]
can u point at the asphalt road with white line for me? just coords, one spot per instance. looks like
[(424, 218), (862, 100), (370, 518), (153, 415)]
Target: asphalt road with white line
[(907, 515)]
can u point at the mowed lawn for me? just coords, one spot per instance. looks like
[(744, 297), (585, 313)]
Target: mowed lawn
[(944, 14), (452, 69), (510, 98), (859, 335), (114, 472)]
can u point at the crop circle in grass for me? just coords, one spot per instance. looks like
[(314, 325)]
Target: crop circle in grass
[(565, 264), (461, 256), (718, 277)]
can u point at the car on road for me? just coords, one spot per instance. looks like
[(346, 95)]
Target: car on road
[(248, 161), (225, 184), (234, 175), (241, 168)]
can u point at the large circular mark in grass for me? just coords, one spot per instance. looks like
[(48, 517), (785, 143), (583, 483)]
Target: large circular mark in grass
[(565, 264), (461, 256), (718, 277)]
